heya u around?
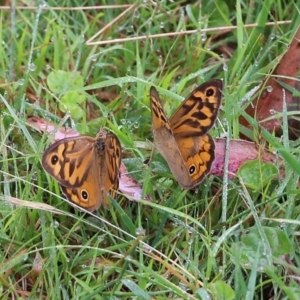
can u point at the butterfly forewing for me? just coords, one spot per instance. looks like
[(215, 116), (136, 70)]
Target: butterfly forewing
[(159, 118), (113, 163), (197, 114), (67, 159)]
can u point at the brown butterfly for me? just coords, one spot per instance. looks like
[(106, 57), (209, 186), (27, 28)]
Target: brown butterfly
[(183, 140), (87, 168)]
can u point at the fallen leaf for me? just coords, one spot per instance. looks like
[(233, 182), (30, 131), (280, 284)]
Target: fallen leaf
[(46, 126), (270, 100), (128, 185), (294, 120), (240, 151), (37, 269)]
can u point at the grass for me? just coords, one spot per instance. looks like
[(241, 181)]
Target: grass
[(222, 241)]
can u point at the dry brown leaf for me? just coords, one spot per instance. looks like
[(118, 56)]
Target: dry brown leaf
[(270, 100)]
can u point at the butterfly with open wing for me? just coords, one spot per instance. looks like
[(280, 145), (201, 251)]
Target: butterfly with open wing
[(183, 140), (87, 168)]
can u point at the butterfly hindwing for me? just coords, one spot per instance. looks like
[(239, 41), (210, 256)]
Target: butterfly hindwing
[(199, 158)]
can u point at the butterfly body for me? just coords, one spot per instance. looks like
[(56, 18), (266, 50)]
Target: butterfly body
[(183, 140), (87, 168)]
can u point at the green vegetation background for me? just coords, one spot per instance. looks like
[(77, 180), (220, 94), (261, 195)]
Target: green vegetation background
[(225, 240)]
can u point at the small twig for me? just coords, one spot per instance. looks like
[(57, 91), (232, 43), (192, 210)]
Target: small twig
[(176, 33), (67, 8), (88, 42)]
